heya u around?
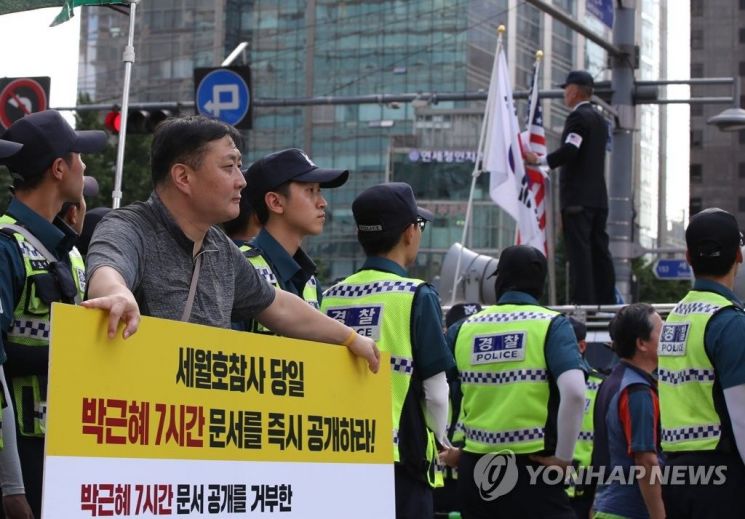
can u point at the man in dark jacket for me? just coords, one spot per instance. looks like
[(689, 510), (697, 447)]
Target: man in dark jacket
[(583, 195)]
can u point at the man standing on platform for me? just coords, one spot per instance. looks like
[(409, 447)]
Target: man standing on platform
[(583, 194)]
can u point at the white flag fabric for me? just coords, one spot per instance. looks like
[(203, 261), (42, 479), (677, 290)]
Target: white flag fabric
[(509, 186)]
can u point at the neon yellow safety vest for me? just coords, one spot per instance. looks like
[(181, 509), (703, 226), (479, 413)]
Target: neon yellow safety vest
[(583, 448), (379, 305), (30, 327), (688, 417), (255, 258), (500, 353)]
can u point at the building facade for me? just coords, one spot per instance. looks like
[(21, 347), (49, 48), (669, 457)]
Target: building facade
[(304, 48), (717, 161)]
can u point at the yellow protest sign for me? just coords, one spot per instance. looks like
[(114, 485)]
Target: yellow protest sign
[(183, 418)]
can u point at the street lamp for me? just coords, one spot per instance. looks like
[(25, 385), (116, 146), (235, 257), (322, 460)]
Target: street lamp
[(729, 120)]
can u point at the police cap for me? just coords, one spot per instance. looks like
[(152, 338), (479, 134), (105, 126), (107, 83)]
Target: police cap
[(292, 164), (47, 136), (387, 207), (713, 232)]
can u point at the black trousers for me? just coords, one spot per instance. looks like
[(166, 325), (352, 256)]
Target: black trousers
[(541, 500), (413, 496), (710, 501), (592, 279)]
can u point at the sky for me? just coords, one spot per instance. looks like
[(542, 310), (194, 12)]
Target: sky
[(32, 48)]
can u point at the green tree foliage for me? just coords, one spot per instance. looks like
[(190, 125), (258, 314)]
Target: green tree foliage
[(136, 182), (649, 289)]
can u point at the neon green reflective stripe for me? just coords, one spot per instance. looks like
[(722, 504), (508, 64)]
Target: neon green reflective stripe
[(310, 290), (78, 271), (378, 305), (501, 360), (31, 327), (583, 448), (686, 376)]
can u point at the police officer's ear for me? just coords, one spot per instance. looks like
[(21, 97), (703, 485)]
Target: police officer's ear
[(58, 168), (275, 202), (409, 234)]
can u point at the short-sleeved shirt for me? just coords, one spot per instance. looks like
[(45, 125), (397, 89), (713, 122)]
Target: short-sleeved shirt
[(144, 244), (430, 352), (562, 353), (57, 237), (725, 337), (292, 272), (639, 414)]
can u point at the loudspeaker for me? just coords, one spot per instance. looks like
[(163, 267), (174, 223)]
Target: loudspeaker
[(473, 283)]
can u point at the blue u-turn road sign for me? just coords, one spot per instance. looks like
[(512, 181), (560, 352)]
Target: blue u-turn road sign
[(672, 269), (224, 93)]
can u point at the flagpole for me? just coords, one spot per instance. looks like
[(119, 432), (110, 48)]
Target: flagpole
[(477, 166), (128, 57), (548, 212)]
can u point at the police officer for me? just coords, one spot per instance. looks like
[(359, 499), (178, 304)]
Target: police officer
[(627, 420), (702, 373), (284, 189), (244, 227), (581, 495), (523, 395), (36, 270), (583, 194), (403, 315)]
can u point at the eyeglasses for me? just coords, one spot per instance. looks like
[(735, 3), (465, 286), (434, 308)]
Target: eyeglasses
[(421, 222)]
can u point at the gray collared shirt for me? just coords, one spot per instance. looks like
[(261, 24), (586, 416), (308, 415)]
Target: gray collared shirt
[(147, 247)]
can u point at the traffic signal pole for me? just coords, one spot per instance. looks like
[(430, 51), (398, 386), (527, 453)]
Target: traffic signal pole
[(128, 57), (620, 185)]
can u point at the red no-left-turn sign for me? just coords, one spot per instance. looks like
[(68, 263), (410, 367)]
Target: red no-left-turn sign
[(22, 96)]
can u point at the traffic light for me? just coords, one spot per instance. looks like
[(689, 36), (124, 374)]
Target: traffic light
[(138, 121)]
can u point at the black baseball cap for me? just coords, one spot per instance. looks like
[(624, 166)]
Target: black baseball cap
[(293, 164), (387, 208), (8, 148), (47, 136), (522, 268), (578, 77), (713, 232)]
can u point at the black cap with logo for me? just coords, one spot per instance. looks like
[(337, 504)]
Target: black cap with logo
[(387, 207), (47, 136), (279, 167)]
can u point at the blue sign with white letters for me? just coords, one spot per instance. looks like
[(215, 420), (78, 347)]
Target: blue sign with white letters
[(602, 10), (225, 94), (365, 320), (672, 269), (500, 347)]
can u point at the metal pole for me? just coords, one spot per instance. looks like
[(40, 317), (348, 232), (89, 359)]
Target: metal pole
[(477, 165), (550, 240), (128, 57), (613, 50), (620, 210)]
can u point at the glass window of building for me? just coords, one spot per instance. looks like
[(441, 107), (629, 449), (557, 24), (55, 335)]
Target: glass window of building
[(696, 173)]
